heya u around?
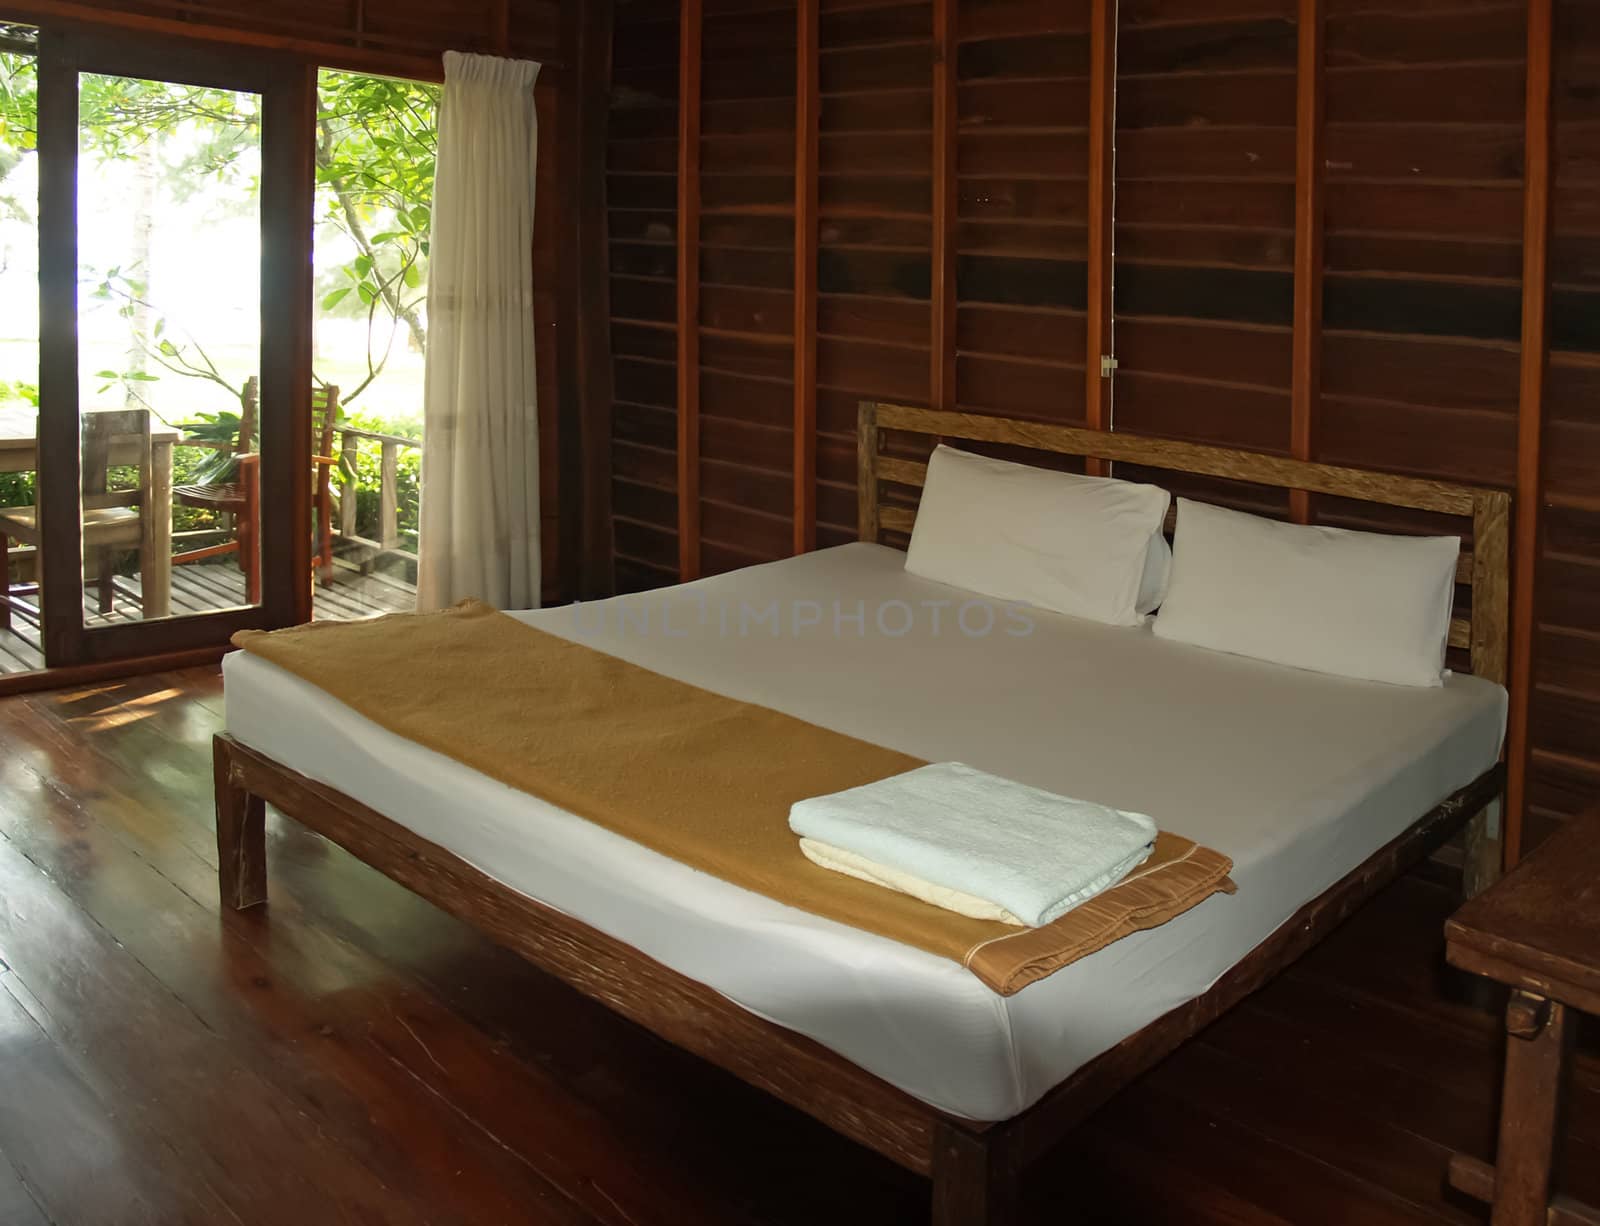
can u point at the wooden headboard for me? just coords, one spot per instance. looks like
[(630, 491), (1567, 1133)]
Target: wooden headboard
[(1483, 628)]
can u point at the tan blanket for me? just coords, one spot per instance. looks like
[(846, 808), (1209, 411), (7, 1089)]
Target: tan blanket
[(696, 776)]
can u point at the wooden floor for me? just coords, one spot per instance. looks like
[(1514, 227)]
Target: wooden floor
[(348, 1054), (205, 588)]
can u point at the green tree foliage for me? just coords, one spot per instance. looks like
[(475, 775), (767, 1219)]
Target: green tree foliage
[(376, 145), (19, 115)]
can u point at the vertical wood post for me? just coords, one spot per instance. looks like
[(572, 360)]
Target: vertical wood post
[(1100, 339), (867, 472), (691, 22), (1491, 602), (942, 370), (347, 493), (808, 101), (389, 495), (247, 527), (1310, 173), (155, 558), (60, 557), (1530, 413), (288, 197)]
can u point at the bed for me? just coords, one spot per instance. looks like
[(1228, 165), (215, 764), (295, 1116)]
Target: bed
[(1321, 789)]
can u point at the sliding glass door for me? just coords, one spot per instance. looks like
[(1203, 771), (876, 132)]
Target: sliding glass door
[(174, 392), (169, 346)]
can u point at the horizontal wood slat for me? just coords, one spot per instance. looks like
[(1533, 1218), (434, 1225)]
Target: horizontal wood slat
[(1254, 467), (897, 519)]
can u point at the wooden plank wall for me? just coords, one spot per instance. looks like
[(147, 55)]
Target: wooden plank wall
[(641, 198), (1424, 240), (875, 240), (1421, 353), (1565, 730), (746, 272), (1205, 229), (1399, 129), (1205, 225), (1022, 175)]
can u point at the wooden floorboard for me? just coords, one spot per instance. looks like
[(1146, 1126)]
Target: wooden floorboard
[(350, 1054), (55, 1131)]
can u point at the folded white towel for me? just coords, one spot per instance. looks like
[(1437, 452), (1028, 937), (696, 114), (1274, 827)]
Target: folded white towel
[(975, 843), (825, 855)]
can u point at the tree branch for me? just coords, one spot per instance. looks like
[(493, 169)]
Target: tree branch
[(352, 221)]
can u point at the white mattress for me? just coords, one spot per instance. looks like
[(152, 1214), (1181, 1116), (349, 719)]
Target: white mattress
[(1297, 776)]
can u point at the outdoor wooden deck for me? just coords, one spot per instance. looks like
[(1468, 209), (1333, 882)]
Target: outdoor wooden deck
[(218, 585)]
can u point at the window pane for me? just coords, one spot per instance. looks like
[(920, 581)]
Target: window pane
[(20, 645), (169, 327), (376, 139)]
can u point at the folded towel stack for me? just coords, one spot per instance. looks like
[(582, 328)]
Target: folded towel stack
[(974, 843)]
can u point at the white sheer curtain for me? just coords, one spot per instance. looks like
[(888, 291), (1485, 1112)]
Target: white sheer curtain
[(480, 461)]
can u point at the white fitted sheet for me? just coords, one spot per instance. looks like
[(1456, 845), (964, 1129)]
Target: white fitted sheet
[(1297, 776)]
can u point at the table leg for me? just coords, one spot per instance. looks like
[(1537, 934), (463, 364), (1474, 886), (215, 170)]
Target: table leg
[(155, 550), (1538, 1038)]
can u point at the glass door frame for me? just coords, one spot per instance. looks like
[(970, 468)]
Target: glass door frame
[(287, 88)]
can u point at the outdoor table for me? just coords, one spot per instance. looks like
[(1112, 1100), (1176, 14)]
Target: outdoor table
[(19, 452)]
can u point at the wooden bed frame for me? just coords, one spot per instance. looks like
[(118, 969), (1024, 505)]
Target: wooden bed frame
[(975, 1166)]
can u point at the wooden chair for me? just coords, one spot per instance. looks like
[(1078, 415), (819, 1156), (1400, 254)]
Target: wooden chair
[(233, 498), (113, 520), (241, 498)]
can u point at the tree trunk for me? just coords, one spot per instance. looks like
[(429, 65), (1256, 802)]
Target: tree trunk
[(141, 322)]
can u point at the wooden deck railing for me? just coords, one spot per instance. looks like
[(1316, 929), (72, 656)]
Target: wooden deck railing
[(388, 540), (390, 446)]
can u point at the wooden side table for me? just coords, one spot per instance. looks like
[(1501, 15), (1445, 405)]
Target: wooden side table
[(1538, 932)]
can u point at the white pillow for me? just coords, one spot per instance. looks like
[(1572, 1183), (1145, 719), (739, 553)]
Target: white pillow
[(1357, 604), (1058, 541)]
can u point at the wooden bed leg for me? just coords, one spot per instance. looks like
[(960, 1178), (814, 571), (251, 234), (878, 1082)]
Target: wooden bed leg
[(975, 1177), (1481, 866), (241, 836)]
